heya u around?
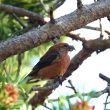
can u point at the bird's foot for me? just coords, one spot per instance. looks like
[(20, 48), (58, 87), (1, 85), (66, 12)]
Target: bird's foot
[(59, 79), (54, 39)]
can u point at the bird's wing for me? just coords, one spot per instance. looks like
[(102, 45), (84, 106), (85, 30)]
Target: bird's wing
[(45, 61)]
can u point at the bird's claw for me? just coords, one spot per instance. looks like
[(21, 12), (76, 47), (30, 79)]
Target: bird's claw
[(59, 79)]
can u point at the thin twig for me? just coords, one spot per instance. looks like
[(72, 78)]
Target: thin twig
[(107, 89), (50, 11), (19, 21), (107, 32), (47, 107), (58, 4), (52, 20), (42, 3), (106, 102), (101, 33), (92, 28), (76, 37), (25, 28), (100, 24), (105, 78), (72, 87), (108, 17), (79, 4)]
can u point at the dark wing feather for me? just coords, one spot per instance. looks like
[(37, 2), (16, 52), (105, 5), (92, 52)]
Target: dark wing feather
[(46, 60)]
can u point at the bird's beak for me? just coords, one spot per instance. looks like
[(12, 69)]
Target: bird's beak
[(71, 48)]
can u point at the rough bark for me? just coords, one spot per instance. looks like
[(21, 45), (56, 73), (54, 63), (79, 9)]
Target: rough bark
[(63, 25)]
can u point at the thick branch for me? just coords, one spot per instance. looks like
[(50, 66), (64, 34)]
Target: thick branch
[(21, 12), (65, 24)]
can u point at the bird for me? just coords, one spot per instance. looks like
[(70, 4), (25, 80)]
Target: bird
[(53, 63)]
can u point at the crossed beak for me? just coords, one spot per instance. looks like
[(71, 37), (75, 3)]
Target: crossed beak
[(71, 48)]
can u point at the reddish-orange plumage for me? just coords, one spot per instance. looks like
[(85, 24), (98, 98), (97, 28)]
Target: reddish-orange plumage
[(54, 63)]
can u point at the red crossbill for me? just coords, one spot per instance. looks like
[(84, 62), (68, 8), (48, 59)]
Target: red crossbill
[(53, 64)]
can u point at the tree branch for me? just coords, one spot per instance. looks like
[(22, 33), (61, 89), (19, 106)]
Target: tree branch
[(92, 28), (22, 12), (65, 24), (75, 37)]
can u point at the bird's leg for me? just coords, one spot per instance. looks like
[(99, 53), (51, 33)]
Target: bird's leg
[(59, 79), (54, 39)]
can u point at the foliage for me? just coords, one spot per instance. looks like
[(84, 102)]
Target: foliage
[(78, 102)]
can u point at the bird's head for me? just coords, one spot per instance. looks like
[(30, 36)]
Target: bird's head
[(63, 47)]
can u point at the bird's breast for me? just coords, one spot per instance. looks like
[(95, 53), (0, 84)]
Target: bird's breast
[(65, 62), (57, 68)]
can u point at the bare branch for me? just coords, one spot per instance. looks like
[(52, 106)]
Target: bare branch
[(92, 28), (19, 21), (107, 32), (46, 107), (58, 4), (104, 78), (79, 4), (106, 102), (101, 34), (75, 37), (72, 87)]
